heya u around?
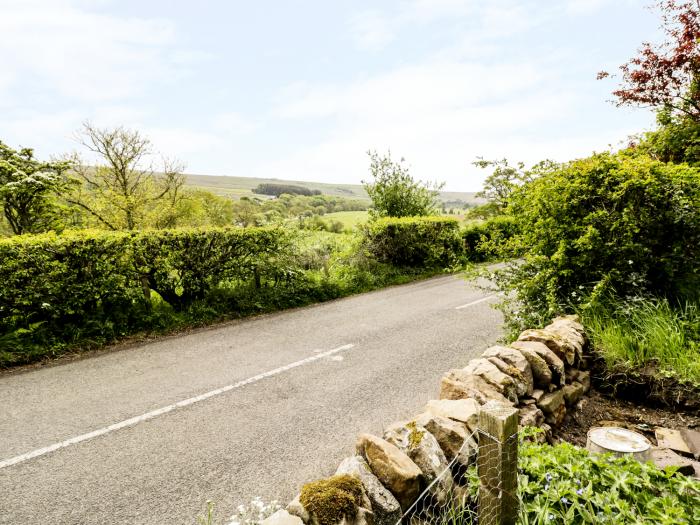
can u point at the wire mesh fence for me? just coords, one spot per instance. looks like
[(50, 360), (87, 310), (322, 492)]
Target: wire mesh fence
[(497, 479), (479, 485), (450, 498)]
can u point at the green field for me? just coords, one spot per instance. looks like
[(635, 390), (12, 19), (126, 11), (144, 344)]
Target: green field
[(350, 219), (238, 187)]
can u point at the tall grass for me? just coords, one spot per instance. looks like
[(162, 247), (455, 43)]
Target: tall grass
[(641, 332)]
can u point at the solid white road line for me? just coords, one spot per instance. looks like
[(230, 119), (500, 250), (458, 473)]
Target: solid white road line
[(476, 302), (164, 410)]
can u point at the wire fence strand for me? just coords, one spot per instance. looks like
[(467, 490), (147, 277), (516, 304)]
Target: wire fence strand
[(473, 485)]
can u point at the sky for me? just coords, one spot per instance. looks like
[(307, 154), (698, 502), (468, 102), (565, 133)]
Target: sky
[(302, 89)]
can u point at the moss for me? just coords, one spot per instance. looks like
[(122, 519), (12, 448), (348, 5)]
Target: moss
[(332, 499), (415, 436)]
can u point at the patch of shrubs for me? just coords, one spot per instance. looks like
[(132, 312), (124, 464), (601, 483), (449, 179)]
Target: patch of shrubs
[(609, 225), (491, 239), (94, 285), (424, 242), (566, 484), (86, 288)]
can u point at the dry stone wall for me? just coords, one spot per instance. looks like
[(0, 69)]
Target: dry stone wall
[(544, 374)]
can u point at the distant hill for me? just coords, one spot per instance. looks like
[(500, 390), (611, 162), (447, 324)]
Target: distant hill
[(240, 186)]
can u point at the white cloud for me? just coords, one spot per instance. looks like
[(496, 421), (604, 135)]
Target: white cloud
[(81, 54), (65, 61), (438, 114), (234, 123), (179, 142), (371, 30), (412, 90)]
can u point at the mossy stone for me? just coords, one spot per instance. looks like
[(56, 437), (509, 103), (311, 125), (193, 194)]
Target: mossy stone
[(332, 499)]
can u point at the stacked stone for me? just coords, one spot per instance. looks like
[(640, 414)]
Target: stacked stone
[(542, 373)]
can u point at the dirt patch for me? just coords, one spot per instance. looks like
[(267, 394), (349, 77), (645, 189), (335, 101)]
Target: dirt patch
[(649, 383), (599, 409)]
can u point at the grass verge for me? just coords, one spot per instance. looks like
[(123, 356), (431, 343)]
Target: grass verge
[(652, 334)]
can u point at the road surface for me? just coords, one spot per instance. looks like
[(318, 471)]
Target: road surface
[(147, 434)]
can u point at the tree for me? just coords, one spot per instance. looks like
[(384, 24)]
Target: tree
[(29, 190), (395, 193), (666, 75), (505, 179), (125, 190), (280, 189), (499, 186)]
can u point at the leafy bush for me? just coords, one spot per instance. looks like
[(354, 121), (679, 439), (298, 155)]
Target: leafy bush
[(29, 190), (490, 239), (425, 242), (645, 333), (611, 223), (86, 288), (676, 140), (58, 289), (395, 193), (566, 484)]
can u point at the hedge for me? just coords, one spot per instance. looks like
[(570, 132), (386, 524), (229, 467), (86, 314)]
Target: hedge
[(427, 242), (488, 239), (101, 283), (86, 288)]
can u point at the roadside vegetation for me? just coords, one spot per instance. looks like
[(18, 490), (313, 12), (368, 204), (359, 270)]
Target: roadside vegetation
[(566, 484), (648, 334), (119, 249), (615, 236)]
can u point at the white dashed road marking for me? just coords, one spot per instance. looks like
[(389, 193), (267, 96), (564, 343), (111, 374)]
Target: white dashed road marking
[(477, 301), (164, 410)]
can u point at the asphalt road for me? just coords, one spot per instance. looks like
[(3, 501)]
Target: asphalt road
[(265, 405)]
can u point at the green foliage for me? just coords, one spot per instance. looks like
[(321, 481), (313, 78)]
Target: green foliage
[(85, 288), (676, 140), (280, 189), (417, 242), (60, 289), (395, 193), (124, 192), (490, 239), (501, 183), (611, 223), (257, 212), (642, 333), (330, 500), (199, 208), (565, 484), (317, 223), (29, 190)]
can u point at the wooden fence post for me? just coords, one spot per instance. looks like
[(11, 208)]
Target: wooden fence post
[(498, 464)]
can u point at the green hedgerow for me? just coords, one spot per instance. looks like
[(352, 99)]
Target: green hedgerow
[(612, 223)]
